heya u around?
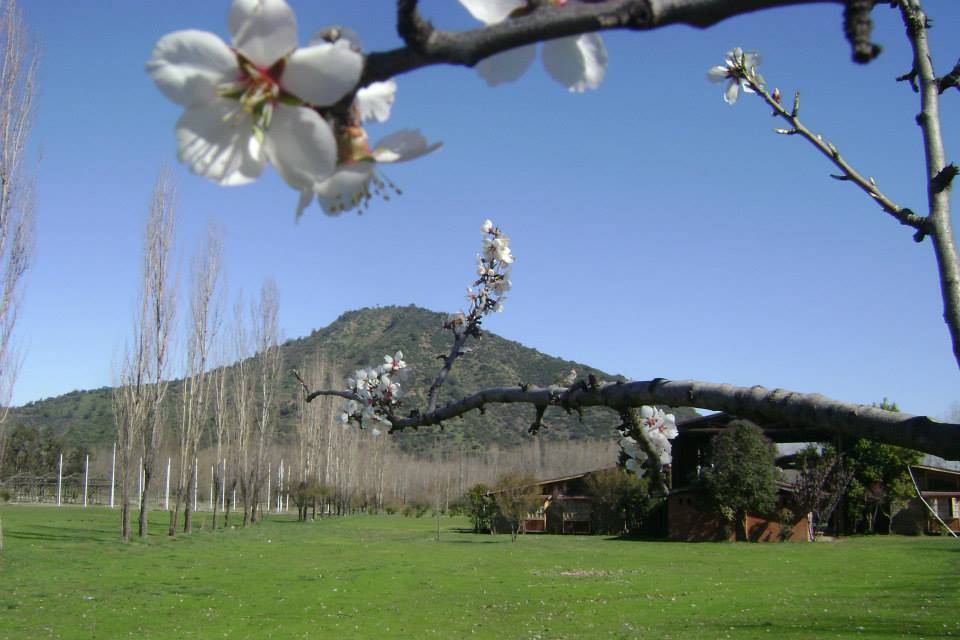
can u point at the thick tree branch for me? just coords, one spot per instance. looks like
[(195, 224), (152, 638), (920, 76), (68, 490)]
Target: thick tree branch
[(939, 175), (426, 46), (801, 410)]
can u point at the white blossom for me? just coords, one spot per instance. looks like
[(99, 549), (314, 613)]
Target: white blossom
[(739, 70), (251, 103), (498, 248), (394, 362), (577, 62), (356, 180)]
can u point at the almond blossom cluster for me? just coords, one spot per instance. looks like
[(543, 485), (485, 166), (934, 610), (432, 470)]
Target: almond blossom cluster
[(659, 428), (488, 292), (264, 99), (375, 392)]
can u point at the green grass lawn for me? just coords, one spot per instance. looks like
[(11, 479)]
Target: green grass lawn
[(64, 574)]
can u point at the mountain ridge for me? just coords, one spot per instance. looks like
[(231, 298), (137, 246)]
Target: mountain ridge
[(360, 338)]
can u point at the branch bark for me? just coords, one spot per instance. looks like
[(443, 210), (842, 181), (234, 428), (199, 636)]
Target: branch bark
[(938, 191), (426, 46), (809, 411), (904, 215)]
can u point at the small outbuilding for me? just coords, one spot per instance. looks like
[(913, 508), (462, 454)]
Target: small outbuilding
[(690, 521)]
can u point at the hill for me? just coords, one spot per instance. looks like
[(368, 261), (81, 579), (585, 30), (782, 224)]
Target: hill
[(362, 337)]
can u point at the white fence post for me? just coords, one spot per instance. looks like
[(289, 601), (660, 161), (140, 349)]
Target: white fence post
[(196, 477), (166, 501), (223, 488), (113, 473), (60, 480), (86, 480)]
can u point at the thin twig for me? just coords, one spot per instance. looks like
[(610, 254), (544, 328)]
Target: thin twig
[(868, 185)]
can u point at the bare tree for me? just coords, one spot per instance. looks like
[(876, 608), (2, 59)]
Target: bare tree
[(128, 411), (240, 431), (203, 324), (269, 368), (219, 390), (18, 73), (156, 324)]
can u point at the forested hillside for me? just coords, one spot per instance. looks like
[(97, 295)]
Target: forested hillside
[(363, 337)]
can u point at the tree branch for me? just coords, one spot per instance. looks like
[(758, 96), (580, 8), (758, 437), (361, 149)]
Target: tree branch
[(426, 46), (456, 351), (952, 79), (939, 173), (808, 411), (868, 185)]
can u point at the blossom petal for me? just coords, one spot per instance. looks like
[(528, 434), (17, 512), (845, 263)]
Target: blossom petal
[(214, 142), (578, 63), (403, 145), (346, 189), (300, 146), (263, 30), (506, 66), (732, 91), (718, 73), (188, 65), (492, 11), (306, 197), (374, 101), (323, 73)]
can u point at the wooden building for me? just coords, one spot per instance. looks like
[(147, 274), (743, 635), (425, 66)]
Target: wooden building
[(940, 489), (687, 519), (565, 507)]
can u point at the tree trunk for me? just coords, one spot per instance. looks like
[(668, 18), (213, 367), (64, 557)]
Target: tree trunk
[(142, 519), (175, 514), (216, 498), (188, 504)]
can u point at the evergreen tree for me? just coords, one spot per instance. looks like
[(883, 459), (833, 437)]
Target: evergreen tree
[(743, 476)]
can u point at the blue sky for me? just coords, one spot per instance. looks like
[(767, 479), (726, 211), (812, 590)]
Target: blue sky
[(659, 232)]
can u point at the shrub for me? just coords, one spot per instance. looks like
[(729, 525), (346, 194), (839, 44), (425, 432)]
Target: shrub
[(743, 476)]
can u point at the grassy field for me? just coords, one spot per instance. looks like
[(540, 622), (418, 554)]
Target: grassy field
[(63, 574)]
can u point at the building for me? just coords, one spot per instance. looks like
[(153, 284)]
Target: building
[(689, 521), (565, 507), (940, 492)]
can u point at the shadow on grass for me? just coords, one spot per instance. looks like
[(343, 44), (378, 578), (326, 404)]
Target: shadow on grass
[(60, 534)]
